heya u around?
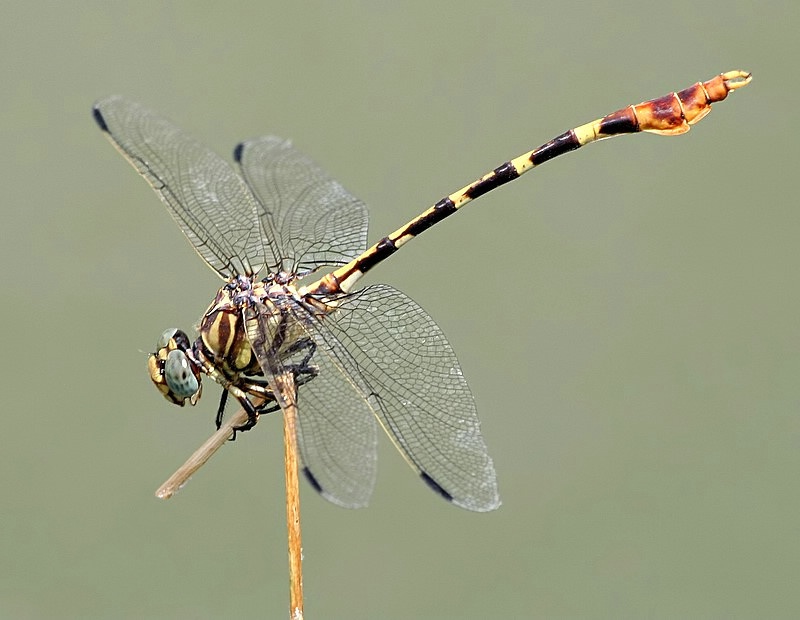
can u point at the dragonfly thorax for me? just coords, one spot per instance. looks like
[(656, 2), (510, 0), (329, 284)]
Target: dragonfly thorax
[(222, 327), (223, 351)]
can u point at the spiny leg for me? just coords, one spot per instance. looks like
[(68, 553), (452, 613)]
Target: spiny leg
[(302, 370), (268, 406), (252, 416), (303, 373), (670, 115), (223, 400)]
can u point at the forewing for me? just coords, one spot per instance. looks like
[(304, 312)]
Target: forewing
[(422, 398), (315, 220), (207, 198), (336, 423)]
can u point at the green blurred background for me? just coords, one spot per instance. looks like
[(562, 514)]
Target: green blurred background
[(627, 316)]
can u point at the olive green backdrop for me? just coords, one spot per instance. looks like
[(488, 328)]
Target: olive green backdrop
[(627, 316)]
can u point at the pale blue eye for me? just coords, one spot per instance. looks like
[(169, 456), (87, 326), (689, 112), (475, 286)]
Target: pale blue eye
[(179, 376)]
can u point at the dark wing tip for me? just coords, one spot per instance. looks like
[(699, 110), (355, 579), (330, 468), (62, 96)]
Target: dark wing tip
[(310, 477), (237, 152), (98, 118), (435, 486)]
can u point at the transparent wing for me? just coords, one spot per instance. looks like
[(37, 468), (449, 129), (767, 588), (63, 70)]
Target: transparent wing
[(336, 430), (380, 353), (424, 402), (207, 198), (314, 219)]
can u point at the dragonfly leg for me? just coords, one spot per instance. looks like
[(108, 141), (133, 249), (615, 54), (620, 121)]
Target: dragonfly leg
[(303, 371), (221, 410), (252, 416), (269, 406)]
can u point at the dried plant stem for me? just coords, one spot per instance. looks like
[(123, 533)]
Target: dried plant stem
[(173, 484), (200, 456), (287, 388)]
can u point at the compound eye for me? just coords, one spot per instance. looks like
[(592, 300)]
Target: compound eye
[(163, 339), (179, 375), (181, 339)]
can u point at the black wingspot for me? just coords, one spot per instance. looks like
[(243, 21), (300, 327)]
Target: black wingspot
[(98, 118), (312, 480), (237, 152), (435, 486)]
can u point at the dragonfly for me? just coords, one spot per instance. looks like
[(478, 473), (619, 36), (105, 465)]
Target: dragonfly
[(359, 357)]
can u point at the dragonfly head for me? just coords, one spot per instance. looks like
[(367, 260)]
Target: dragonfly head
[(172, 369)]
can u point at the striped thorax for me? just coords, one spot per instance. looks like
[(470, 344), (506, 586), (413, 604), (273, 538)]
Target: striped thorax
[(224, 330), (222, 326)]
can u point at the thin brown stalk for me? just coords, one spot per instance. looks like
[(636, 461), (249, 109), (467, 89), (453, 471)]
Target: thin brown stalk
[(181, 476), (287, 388)]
